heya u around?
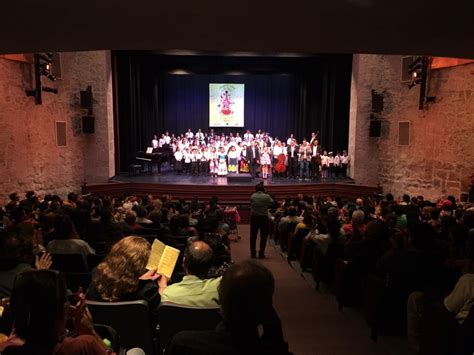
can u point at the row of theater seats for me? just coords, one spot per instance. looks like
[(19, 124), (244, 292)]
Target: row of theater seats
[(383, 299), (131, 321)]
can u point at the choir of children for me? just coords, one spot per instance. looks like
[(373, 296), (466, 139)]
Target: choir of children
[(210, 154)]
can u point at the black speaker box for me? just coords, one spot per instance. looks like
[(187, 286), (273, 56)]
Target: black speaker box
[(375, 128), (88, 124), (240, 178)]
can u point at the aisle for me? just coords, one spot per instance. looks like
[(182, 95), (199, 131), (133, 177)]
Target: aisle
[(311, 321)]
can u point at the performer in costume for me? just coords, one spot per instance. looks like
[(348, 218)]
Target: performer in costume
[(222, 164), (213, 162), (233, 160), (265, 162), (244, 165)]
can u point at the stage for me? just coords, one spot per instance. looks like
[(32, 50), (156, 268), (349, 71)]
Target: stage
[(228, 192)]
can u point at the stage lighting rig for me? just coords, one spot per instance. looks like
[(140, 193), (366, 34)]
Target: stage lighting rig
[(415, 70), (43, 64), (418, 70)]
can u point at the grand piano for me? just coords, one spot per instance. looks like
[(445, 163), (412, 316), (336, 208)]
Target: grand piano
[(152, 157)]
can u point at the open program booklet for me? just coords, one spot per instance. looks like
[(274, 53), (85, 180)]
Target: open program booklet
[(162, 258)]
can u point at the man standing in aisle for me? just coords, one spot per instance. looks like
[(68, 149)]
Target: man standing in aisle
[(260, 202)]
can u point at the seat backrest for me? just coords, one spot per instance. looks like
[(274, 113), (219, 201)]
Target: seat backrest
[(175, 318), (68, 263), (302, 232), (131, 320), (291, 226)]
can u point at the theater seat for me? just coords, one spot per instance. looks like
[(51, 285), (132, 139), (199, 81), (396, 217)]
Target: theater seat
[(131, 320), (175, 318), (68, 263)]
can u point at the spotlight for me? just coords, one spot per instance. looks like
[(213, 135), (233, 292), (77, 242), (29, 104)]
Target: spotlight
[(415, 69)]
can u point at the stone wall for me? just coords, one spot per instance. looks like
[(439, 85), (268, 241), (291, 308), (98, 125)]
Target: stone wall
[(440, 157), (29, 156)]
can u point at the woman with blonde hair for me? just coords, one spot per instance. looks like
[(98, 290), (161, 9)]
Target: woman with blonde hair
[(123, 276)]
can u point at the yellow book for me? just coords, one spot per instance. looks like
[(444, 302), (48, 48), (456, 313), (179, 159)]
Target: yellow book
[(162, 258)]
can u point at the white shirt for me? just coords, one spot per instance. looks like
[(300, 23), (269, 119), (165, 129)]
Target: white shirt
[(154, 143), (167, 139), (178, 156), (315, 150), (345, 159), (189, 135), (161, 142), (293, 151)]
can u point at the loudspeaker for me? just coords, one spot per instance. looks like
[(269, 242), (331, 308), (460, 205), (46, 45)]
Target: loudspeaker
[(375, 128), (241, 178), (377, 102), (86, 98), (88, 124)]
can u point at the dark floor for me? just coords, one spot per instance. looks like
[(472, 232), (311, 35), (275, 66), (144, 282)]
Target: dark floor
[(311, 321), (169, 177)]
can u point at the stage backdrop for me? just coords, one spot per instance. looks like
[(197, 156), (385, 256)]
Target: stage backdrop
[(156, 93), (226, 105)]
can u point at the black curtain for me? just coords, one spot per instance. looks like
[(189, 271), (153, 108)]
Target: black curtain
[(157, 93)]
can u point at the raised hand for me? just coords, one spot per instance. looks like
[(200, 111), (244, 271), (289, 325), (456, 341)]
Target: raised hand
[(43, 262)]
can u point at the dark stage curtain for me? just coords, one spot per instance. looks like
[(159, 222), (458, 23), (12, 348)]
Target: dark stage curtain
[(282, 96)]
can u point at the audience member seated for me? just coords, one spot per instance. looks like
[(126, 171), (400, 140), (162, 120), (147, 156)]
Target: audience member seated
[(131, 220), (40, 310), (142, 217), (195, 289), (451, 311), (66, 239), (245, 292), (17, 255), (123, 276), (292, 217)]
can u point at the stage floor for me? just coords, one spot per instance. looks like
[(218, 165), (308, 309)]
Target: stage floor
[(169, 178)]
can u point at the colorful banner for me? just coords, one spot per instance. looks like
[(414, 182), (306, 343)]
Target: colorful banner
[(226, 105)]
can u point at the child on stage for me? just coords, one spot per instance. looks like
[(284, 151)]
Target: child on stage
[(265, 162), (222, 165), (233, 158), (178, 157), (213, 162), (187, 161)]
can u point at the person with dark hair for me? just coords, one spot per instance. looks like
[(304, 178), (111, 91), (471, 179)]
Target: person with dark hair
[(245, 293), (17, 255), (260, 202), (66, 239), (40, 311), (194, 290)]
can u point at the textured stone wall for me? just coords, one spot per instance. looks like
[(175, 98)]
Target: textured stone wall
[(29, 157), (440, 157)]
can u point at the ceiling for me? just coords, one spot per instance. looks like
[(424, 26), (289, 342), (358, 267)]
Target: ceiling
[(258, 26)]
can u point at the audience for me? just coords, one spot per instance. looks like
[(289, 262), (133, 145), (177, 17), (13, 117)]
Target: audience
[(245, 292), (123, 276), (420, 248), (195, 289), (40, 311)]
